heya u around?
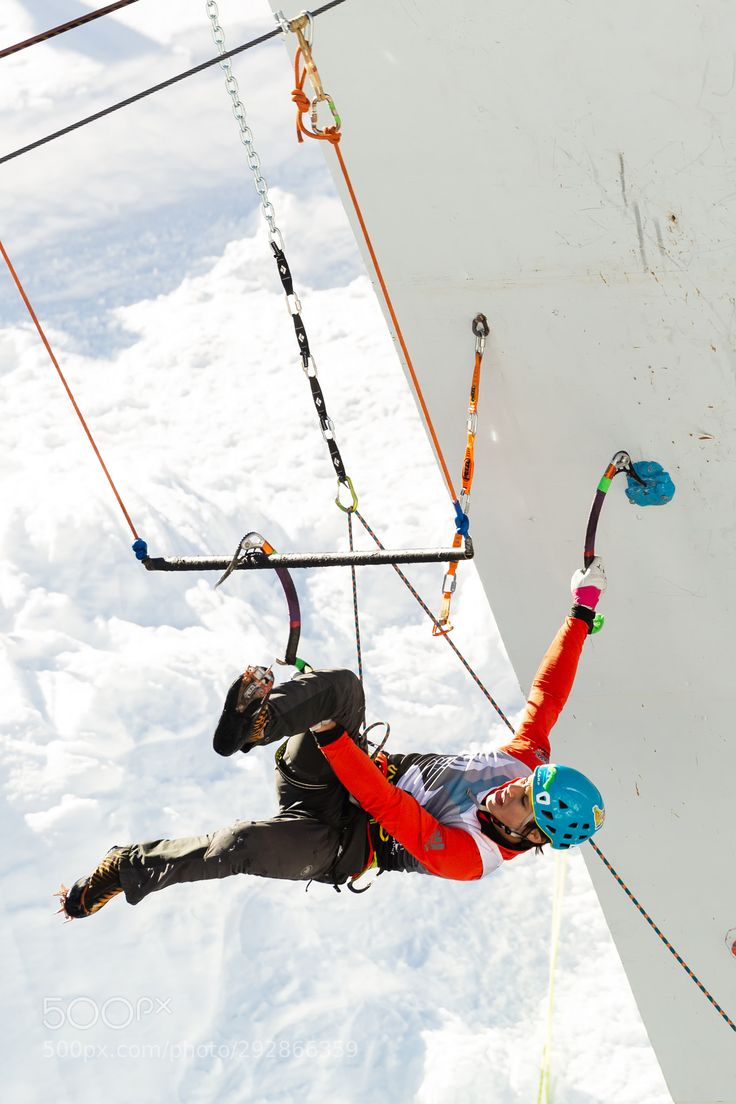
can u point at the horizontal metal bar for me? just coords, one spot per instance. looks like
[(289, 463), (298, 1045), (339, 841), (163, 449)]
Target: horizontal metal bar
[(256, 560)]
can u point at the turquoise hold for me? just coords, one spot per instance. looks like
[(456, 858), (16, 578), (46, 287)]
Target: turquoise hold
[(658, 488)]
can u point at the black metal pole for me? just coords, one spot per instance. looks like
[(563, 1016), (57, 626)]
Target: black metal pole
[(256, 560)]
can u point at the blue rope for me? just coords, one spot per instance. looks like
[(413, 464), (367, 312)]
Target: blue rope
[(462, 521)]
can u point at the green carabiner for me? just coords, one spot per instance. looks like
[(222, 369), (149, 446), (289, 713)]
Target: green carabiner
[(347, 482)]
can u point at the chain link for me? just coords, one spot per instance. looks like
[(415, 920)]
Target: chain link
[(246, 134), (293, 305)]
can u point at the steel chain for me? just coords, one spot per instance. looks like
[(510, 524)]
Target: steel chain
[(246, 134), (293, 305)]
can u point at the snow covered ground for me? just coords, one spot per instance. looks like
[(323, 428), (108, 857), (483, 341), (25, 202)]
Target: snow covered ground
[(141, 247)]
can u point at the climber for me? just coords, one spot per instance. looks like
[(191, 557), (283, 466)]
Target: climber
[(457, 816)]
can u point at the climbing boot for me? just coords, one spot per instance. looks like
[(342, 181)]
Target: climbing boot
[(89, 894), (245, 715)]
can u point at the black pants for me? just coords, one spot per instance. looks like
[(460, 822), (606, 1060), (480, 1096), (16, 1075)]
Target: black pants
[(318, 833)]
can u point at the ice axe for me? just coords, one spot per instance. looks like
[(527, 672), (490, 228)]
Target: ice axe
[(648, 485), (254, 546)]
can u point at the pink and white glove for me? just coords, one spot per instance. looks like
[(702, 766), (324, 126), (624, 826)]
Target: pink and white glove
[(588, 585)]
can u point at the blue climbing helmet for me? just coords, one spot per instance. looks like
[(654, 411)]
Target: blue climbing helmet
[(567, 806)]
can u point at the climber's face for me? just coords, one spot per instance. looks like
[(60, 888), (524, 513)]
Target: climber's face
[(510, 806)]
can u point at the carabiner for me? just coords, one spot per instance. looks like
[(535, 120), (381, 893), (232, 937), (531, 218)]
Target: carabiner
[(347, 482), (481, 329), (324, 98)]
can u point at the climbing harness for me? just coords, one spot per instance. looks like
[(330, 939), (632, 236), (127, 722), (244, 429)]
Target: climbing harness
[(481, 331)]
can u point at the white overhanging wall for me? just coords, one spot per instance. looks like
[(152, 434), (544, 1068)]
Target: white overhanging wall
[(570, 170)]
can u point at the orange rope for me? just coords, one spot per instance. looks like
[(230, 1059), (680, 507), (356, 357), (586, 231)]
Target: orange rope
[(303, 104), (397, 327), (55, 363)]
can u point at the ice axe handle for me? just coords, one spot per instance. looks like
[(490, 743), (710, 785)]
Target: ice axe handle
[(590, 532), (621, 461)]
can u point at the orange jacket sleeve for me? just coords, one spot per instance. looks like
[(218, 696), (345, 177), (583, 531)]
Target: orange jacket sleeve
[(445, 851), (550, 690)]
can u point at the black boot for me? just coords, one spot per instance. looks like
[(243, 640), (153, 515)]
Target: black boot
[(245, 715)]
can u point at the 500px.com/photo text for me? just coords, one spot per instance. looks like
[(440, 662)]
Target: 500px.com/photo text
[(238, 1050)]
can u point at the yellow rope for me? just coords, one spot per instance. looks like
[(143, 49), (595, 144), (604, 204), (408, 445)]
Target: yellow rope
[(544, 1093)]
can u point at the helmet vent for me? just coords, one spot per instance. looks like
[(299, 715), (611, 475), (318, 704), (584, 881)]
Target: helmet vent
[(574, 824), (567, 835), (586, 827), (562, 804)]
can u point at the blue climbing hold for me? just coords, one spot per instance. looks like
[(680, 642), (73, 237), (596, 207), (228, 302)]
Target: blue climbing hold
[(462, 520), (141, 549), (658, 487)]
